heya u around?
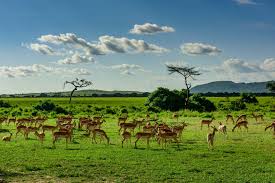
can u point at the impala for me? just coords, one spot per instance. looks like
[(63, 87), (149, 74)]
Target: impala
[(22, 129), (126, 126), (229, 117), (101, 133), (163, 137), (125, 136), (206, 122), (258, 117), (40, 136), (49, 128), (62, 134), (178, 129), (210, 137), (122, 120), (272, 125), (7, 138), (240, 124), (143, 135), (30, 129), (241, 118)]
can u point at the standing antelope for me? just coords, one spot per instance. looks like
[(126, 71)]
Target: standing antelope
[(210, 137), (49, 128), (272, 125), (258, 117), (126, 126), (167, 136), (126, 135), (178, 129), (206, 122), (62, 134), (240, 124), (21, 129), (143, 135), (122, 120), (229, 117), (222, 128), (7, 138)]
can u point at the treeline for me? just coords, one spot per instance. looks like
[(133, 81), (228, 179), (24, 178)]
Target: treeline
[(226, 94)]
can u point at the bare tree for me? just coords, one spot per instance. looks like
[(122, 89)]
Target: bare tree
[(77, 83), (187, 73), (271, 86)]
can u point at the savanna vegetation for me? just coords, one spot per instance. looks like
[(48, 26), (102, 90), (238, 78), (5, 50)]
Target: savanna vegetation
[(238, 156)]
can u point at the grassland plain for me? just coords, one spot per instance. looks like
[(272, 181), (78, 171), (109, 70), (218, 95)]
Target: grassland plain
[(238, 157)]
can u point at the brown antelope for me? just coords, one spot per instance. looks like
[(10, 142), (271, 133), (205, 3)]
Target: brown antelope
[(125, 136), (258, 117), (62, 134), (178, 129), (222, 128), (49, 128), (101, 133), (7, 138), (84, 122), (163, 137), (122, 120), (143, 135), (21, 129), (148, 128), (210, 137), (26, 121), (140, 122), (40, 120), (229, 117), (30, 129), (206, 122), (92, 126), (272, 125), (40, 136), (130, 126), (240, 124), (241, 118)]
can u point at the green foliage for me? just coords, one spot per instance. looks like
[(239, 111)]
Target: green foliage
[(49, 106), (4, 104), (248, 98), (166, 99), (201, 104), (271, 86), (237, 105)]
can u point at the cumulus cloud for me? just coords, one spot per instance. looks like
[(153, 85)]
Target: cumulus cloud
[(199, 49), (245, 2), (128, 69), (37, 69), (149, 28), (268, 64), (239, 66), (76, 58), (125, 45), (41, 48)]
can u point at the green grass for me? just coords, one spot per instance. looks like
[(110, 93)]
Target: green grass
[(239, 157)]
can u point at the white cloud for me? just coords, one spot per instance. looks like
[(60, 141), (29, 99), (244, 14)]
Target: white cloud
[(149, 28), (245, 2), (239, 66), (199, 49), (41, 48), (125, 45), (128, 69), (37, 69), (76, 58), (268, 64), (127, 72)]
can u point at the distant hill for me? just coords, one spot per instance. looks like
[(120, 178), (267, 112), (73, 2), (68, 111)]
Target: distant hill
[(230, 87), (82, 93)]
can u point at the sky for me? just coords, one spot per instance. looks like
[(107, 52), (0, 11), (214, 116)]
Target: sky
[(126, 44)]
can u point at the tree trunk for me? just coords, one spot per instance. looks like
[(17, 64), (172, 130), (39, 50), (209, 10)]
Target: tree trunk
[(187, 93), (72, 95)]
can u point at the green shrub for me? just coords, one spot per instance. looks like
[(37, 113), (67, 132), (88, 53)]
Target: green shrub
[(49, 106), (4, 104), (237, 105), (248, 98), (201, 104)]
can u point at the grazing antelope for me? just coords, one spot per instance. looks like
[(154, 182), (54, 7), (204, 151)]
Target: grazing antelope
[(206, 122), (229, 117), (62, 134), (163, 137), (49, 128), (122, 120), (7, 138), (101, 133), (210, 137), (241, 118), (125, 136), (40, 136), (130, 126), (240, 124), (143, 135), (222, 128), (272, 125), (258, 117)]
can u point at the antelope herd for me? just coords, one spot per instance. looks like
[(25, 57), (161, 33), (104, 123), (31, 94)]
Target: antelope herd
[(148, 128)]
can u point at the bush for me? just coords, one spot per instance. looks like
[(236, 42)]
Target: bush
[(4, 104), (49, 106), (166, 99), (237, 105), (248, 98), (201, 104)]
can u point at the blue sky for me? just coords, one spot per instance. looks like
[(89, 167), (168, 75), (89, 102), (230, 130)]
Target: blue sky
[(124, 45)]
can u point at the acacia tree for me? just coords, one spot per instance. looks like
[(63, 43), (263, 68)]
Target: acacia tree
[(77, 83), (187, 73), (271, 86)]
